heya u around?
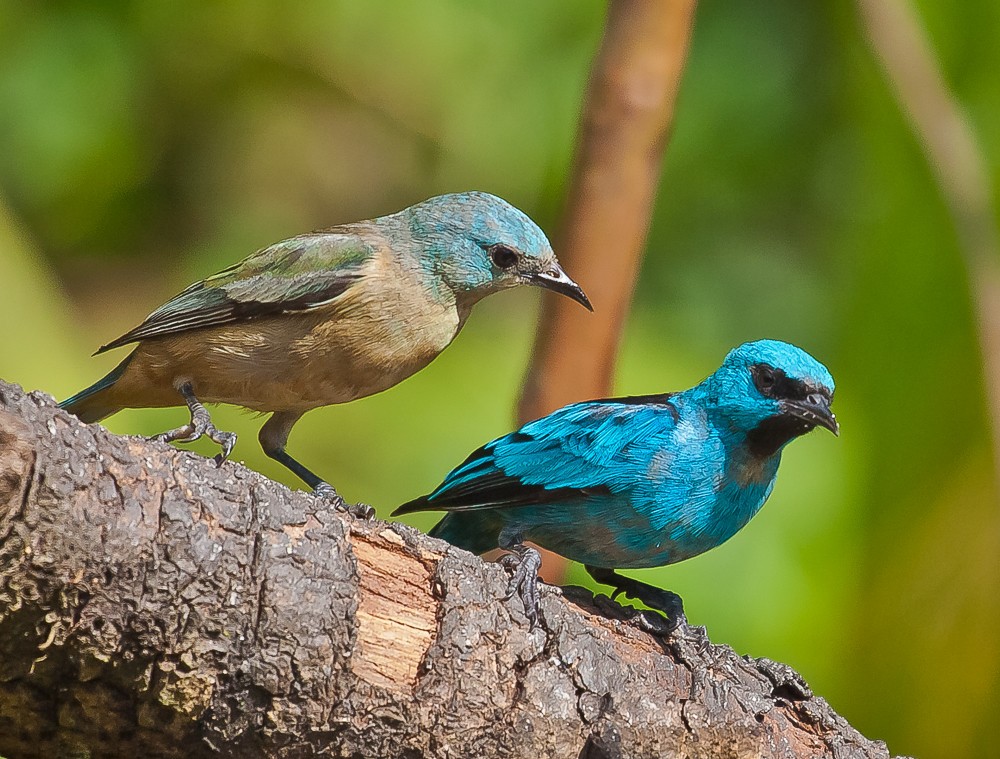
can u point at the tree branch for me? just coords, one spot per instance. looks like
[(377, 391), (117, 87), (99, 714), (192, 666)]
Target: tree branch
[(152, 604)]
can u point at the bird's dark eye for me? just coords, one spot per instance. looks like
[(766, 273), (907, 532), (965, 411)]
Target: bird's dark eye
[(503, 256), (765, 378)]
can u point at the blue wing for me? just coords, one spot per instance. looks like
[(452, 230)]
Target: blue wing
[(590, 448)]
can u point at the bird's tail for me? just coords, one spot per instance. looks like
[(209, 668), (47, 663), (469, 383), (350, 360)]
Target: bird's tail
[(474, 531), (94, 403)]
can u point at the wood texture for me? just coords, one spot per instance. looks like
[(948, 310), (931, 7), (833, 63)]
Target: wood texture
[(152, 604)]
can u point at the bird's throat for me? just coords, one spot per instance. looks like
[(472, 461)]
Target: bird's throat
[(767, 438)]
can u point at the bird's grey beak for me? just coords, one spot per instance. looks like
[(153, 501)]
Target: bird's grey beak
[(556, 280), (814, 410)]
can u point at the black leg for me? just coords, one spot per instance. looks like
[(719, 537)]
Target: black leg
[(200, 424), (273, 436), (655, 598), (523, 563)]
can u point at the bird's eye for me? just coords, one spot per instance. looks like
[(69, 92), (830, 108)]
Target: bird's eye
[(765, 378), (503, 256)]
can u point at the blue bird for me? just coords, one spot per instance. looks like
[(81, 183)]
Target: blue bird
[(324, 318), (626, 483)]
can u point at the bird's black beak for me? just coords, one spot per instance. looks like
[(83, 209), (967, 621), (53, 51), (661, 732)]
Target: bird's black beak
[(556, 280), (813, 410)]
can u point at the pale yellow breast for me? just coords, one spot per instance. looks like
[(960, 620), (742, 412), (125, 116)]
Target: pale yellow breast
[(382, 331)]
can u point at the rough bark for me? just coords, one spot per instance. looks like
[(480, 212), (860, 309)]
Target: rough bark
[(154, 605)]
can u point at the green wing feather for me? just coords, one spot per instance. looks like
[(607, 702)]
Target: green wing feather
[(298, 274)]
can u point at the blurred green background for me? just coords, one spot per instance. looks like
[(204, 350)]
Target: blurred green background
[(145, 145)]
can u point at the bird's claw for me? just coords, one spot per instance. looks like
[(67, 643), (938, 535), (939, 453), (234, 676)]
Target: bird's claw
[(185, 434), (327, 492), (226, 439), (656, 623), (670, 604), (668, 614), (200, 425), (523, 563), (652, 622), (360, 511)]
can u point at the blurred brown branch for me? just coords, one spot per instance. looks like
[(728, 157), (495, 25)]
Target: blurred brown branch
[(623, 131), (959, 166), (625, 123)]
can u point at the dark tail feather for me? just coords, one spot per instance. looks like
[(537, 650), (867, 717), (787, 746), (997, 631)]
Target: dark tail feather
[(417, 504), (475, 531), (92, 405)]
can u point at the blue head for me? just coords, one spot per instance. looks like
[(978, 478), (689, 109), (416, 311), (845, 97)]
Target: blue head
[(479, 244), (772, 392)]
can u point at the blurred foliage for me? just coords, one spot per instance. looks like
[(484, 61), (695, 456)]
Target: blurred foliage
[(144, 145)]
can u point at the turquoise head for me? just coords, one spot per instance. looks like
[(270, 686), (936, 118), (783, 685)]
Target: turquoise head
[(772, 392), (478, 244)]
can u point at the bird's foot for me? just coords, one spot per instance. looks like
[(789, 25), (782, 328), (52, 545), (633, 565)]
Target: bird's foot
[(523, 563), (200, 425), (652, 622), (225, 439), (661, 600), (657, 624), (327, 492), (360, 511), (665, 601), (184, 434)]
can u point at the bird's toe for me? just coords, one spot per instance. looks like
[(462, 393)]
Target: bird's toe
[(327, 492), (225, 439), (185, 434), (523, 563), (656, 624), (360, 511)]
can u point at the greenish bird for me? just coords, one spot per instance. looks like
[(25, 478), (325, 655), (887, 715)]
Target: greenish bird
[(324, 318)]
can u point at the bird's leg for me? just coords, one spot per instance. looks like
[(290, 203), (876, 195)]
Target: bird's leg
[(273, 436), (655, 598), (523, 563), (200, 424)]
